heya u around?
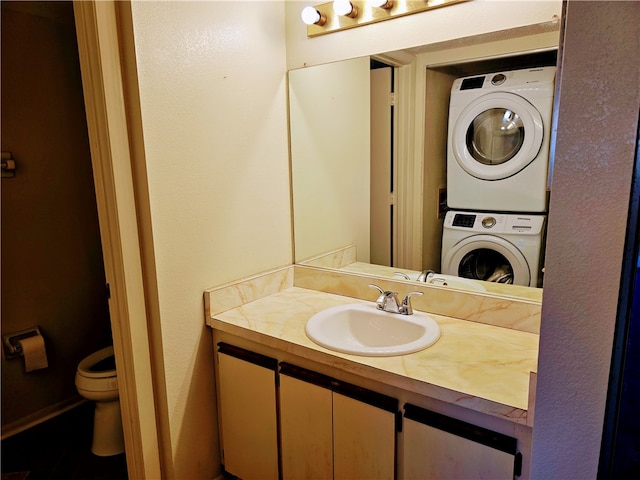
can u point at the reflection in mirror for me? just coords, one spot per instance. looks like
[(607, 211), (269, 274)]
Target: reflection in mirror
[(350, 163), (329, 122)]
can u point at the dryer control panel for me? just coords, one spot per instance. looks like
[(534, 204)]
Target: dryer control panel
[(529, 77), (495, 222)]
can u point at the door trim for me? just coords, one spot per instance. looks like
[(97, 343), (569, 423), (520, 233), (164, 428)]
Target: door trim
[(101, 67)]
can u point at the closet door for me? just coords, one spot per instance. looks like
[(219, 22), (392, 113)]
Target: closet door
[(364, 434), (247, 394), (305, 424)]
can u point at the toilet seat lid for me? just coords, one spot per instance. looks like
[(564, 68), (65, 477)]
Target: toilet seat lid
[(99, 364)]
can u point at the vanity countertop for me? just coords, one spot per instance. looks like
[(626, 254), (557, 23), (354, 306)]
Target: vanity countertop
[(474, 365)]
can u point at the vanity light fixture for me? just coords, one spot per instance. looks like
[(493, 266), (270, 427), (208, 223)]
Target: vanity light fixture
[(311, 16), (385, 4), (345, 8), (343, 14)]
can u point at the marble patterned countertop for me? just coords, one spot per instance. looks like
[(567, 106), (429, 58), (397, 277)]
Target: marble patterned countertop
[(479, 366)]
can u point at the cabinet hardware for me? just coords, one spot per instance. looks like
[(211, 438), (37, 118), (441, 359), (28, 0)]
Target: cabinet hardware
[(249, 356), (517, 465), (487, 437), (8, 165), (399, 421), (355, 392)]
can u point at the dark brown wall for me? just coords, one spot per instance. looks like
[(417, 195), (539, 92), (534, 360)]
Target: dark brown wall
[(52, 270)]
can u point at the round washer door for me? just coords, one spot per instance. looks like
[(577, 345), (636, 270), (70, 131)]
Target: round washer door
[(496, 136), (488, 258)]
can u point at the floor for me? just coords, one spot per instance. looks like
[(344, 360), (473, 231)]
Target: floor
[(59, 448)]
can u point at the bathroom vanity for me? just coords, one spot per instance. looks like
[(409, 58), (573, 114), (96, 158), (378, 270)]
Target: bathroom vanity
[(459, 408)]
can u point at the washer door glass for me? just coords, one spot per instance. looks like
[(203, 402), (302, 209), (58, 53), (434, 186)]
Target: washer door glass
[(495, 136), (489, 258), (485, 264)]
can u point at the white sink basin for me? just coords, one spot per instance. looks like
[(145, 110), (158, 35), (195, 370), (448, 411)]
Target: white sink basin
[(362, 329)]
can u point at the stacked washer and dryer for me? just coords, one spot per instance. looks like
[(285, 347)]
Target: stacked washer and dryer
[(497, 170)]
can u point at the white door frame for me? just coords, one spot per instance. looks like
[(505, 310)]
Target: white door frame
[(99, 46)]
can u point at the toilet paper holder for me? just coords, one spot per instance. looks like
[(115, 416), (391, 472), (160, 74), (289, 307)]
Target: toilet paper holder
[(11, 341)]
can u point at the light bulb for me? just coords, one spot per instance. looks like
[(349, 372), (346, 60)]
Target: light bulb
[(345, 7), (311, 16)]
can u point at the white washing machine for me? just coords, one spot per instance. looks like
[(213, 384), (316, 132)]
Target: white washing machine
[(498, 141), (503, 248)]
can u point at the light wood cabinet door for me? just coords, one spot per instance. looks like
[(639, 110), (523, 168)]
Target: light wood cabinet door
[(334, 430), (451, 449), (306, 431), (248, 412), (364, 438)]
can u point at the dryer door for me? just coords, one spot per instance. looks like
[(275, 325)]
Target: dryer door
[(496, 136), (488, 258)]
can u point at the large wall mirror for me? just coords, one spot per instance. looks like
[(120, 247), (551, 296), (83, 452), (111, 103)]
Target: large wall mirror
[(369, 161)]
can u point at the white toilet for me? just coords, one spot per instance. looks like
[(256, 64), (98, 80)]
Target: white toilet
[(96, 380)]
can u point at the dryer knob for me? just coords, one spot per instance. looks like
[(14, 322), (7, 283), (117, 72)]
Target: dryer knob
[(498, 79), (488, 222)]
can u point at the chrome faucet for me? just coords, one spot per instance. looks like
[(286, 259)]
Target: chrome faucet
[(424, 276), (388, 301)]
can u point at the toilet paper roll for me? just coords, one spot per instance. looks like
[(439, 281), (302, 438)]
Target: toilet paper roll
[(34, 352)]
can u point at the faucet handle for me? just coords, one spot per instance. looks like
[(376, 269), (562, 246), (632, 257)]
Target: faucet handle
[(407, 309)]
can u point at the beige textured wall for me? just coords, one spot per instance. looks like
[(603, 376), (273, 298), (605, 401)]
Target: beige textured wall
[(597, 131), (52, 271), (212, 82)]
